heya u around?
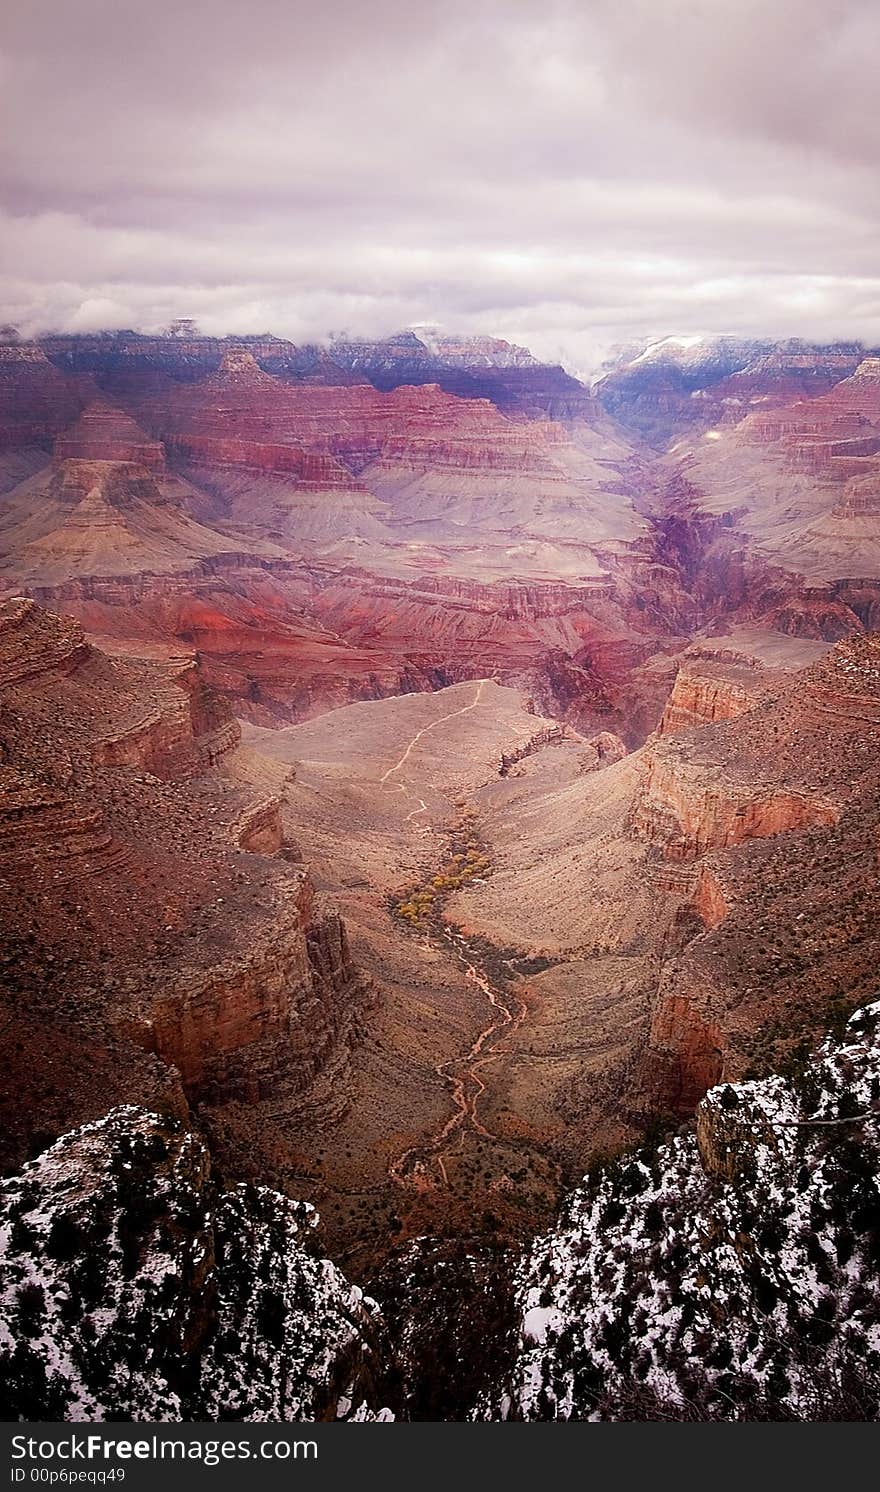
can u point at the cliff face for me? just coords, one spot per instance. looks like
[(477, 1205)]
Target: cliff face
[(103, 433), (87, 520), (471, 368), (253, 502), (709, 689), (181, 728), (685, 815), (785, 905), (468, 367), (710, 900), (202, 499), (268, 1019), (36, 401), (103, 355), (243, 416), (144, 886), (134, 1288), (571, 646), (679, 384), (823, 455)]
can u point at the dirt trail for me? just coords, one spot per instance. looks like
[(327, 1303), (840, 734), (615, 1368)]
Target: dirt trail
[(434, 723), (461, 1074)]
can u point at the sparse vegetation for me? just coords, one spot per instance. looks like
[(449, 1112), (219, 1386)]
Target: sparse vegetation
[(420, 903)]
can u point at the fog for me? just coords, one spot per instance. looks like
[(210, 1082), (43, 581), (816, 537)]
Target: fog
[(566, 175)]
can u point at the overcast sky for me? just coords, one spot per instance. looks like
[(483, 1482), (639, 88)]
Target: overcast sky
[(568, 175)]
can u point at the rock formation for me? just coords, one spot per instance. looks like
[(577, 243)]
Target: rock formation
[(579, 767), (36, 400), (797, 481), (664, 390), (712, 684), (329, 506), (731, 1275), (97, 519), (134, 1287), (144, 898), (681, 810), (788, 914), (104, 433), (472, 368)]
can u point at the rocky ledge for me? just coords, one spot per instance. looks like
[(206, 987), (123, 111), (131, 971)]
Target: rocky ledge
[(134, 1287), (730, 1274)]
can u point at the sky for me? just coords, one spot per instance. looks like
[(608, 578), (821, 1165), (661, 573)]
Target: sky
[(569, 174)]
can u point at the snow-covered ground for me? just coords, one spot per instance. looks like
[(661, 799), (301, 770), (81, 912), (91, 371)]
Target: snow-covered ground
[(132, 1287), (743, 1280)]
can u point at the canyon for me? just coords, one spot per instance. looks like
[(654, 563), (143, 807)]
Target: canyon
[(423, 775)]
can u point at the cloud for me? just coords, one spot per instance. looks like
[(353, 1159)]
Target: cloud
[(564, 174)]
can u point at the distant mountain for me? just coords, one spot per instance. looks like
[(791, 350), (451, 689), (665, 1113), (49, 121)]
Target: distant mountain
[(473, 368), (669, 386)]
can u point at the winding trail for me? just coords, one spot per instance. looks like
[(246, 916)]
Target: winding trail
[(434, 723), (461, 1074)]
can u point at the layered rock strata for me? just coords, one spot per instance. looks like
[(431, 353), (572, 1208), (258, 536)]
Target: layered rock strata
[(144, 890), (787, 896)]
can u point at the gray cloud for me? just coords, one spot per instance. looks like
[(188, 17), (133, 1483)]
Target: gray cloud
[(564, 173)]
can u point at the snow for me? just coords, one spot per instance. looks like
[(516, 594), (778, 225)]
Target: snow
[(658, 1268), (122, 1261), (663, 345), (539, 1321), (129, 1264)]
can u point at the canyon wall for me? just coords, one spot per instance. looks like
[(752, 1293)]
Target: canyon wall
[(780, 910), (681, 811), (263, 1023), (147, 897), (710, 687)]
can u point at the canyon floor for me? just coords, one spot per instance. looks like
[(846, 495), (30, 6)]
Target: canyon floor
[(539, 940), (387, 800)]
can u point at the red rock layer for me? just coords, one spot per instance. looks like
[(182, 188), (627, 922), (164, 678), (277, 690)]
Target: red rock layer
[(570, 646), (245, 416), (834, 436), (709, 900), (36, 401), (267, 1019), (790, 900), (683, 812), (93, 519), (105, 433), (709, 689), (142, 893)]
